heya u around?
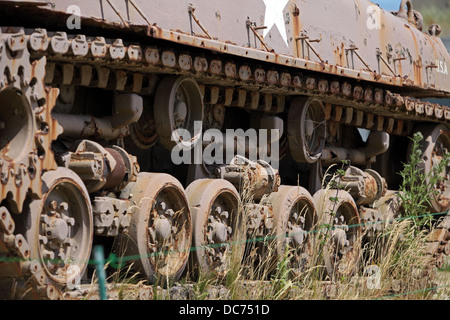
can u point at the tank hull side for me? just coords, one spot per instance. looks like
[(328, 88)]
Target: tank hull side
[(349, 38), (420, 59)]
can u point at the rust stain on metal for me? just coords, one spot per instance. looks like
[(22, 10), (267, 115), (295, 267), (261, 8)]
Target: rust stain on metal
[(261, 82)]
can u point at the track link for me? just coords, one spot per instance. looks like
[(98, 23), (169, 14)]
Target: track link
[(234, 81)]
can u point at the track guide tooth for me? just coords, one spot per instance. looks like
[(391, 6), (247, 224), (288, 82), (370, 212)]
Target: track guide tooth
[(231, 70), (273, 77), (419, 108), (38, 40), (59, 44), (185, 62), (447, 113), (245, 73), (79, 46), (311, 83), (346, 89), (438, 111), (200, 64), (16, 41), (215, 67), (169, 59), (285, 79), (429, 109), (134, 53), (97, 48), (7, 224), (152, 56), (117, 50)]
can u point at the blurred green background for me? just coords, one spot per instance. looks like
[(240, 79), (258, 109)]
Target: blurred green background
[(435, 11)]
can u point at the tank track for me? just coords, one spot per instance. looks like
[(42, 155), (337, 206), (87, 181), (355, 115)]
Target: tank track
[(439, 242), (235, 81), (51, 59)]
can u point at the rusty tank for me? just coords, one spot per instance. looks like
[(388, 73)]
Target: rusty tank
[(115, 117)]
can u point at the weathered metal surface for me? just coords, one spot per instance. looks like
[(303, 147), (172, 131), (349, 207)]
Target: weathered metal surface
[(366, 187), (257, 178), (294, 219), (338, 210), (365, 29), (157, 67), (306, 129), (392, 48), (160, 231), (215, 17), (41, 250), (27, 125), (111, 216), (60, 229), (216, 220), (101, 168), (178, 105)]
